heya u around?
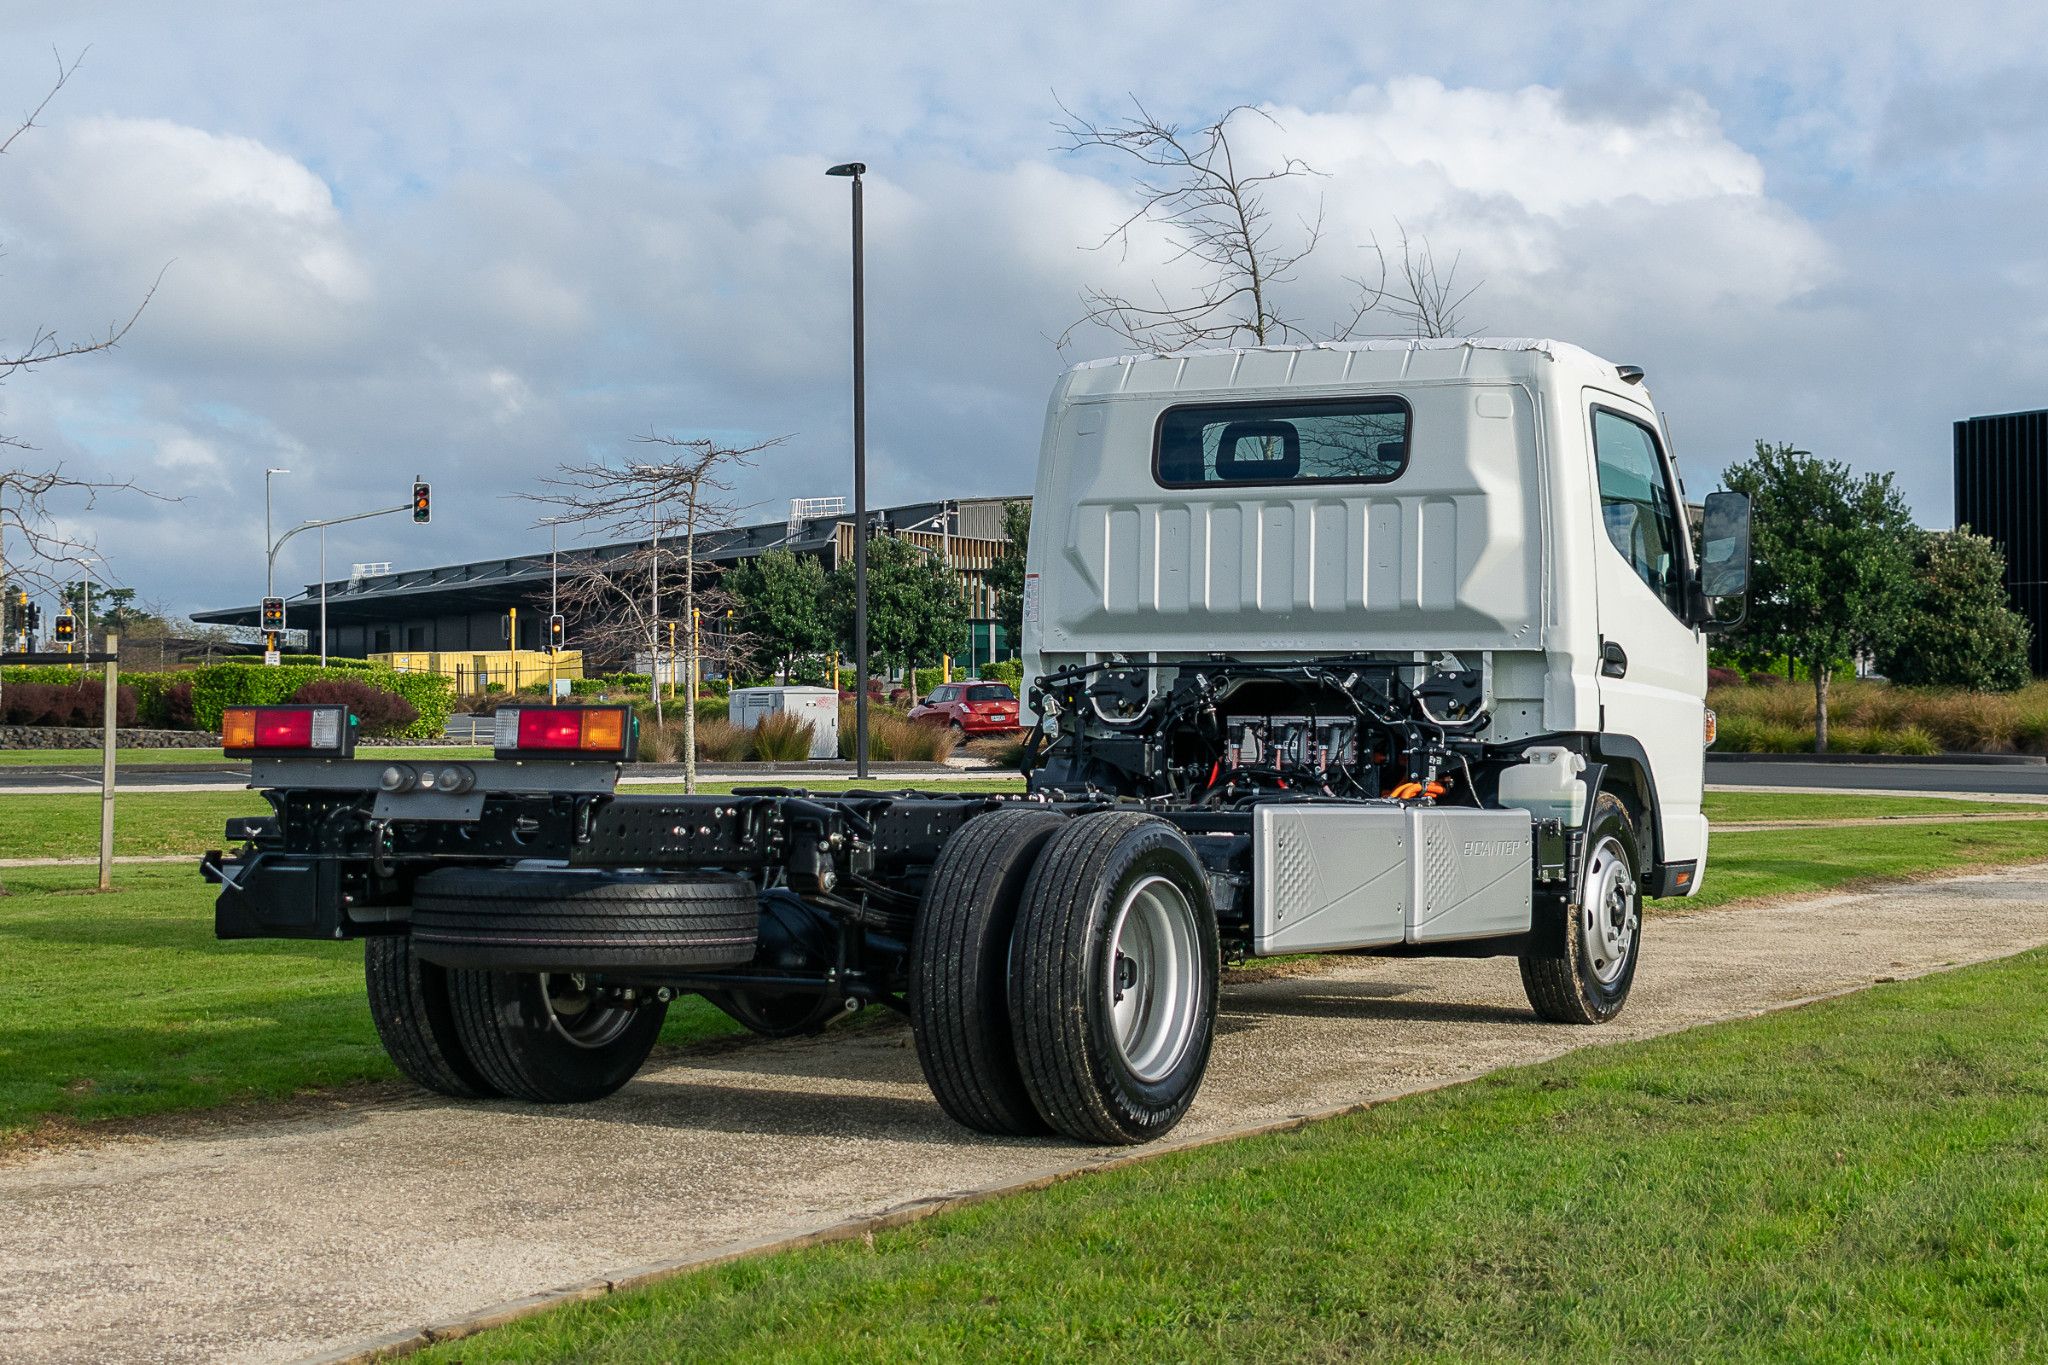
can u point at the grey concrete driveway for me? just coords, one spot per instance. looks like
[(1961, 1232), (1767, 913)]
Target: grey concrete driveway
[(271, 1241)]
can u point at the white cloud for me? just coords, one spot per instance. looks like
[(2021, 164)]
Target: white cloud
[(571, 228), (257, 264)]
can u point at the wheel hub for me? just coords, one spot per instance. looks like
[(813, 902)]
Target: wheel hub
[(581, 1014), (1609, 911), (1154, 980)]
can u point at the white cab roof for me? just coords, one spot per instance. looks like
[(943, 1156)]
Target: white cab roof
[(1383, 361)]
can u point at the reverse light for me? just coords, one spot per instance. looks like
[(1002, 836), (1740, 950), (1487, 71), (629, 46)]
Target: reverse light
[(603, 732), (327, 731)]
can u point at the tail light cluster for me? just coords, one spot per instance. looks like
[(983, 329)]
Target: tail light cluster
[(324, 731), (604, 732)]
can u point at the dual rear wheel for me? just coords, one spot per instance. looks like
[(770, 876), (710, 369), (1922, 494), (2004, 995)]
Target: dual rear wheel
[(1064, 975)]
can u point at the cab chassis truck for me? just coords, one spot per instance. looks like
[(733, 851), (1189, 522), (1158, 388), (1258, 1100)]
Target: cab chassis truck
[(1390, 648)]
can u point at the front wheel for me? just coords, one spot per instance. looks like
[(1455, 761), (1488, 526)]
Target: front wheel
[(1114, 978), (1589, 984), (553, 1037)]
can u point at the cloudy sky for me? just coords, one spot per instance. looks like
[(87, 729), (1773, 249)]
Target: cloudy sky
[(473, 241)]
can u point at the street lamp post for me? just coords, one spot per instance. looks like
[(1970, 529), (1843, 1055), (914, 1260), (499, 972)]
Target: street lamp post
[(853, 170), (269, 541)]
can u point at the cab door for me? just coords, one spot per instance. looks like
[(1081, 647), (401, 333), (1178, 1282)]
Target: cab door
[(1653, 658)]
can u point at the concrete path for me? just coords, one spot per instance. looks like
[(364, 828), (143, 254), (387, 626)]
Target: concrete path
[(277, 1240)]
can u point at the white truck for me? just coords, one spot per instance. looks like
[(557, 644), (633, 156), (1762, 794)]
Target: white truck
[(1393, 647)]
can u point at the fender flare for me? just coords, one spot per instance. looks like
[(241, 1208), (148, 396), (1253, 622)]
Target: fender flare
[(1624, 752)]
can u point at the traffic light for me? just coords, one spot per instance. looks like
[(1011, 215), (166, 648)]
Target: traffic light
[(558, 631), (421, 511), (273, 613), (35, 618), (67, 628)]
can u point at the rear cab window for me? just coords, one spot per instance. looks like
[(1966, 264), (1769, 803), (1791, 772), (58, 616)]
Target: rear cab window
[(1303, 441)]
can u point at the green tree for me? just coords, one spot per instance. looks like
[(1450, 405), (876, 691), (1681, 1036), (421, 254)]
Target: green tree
[(1960, 631), (1833, 556), (917, 610), (1006, 575), (780, 597)]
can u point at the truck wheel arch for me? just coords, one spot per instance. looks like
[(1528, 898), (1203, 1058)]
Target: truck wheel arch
[(1622, 766)]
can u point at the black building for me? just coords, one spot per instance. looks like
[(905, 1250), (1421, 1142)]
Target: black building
[(462, 606), (2002, 492)]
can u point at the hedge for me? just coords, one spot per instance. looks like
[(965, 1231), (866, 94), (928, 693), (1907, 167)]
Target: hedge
[(1010, 671), (218, 686)]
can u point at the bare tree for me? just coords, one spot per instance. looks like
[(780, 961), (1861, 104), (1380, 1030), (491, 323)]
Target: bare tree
[(686, 489), (1194, 186), (1190, 184), (35, 546), (1425, 297)]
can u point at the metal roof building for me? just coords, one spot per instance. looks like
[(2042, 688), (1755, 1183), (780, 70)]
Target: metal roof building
[(2002, 492), (462, 606)]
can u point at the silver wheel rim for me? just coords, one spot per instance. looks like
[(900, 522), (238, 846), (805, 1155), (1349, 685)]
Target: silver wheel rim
[(578, 1014), (1610, 912), (1153, 982)]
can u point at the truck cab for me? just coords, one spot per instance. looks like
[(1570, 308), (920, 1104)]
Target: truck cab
[(1510, 506)]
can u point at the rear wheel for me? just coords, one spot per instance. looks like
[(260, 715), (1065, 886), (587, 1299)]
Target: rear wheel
[(960, 971), (1115, 983), (553, 1037), (1589, 984), (409, 1004)]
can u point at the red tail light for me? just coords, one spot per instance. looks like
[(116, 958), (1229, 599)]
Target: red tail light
[(603, 732), (328, 731)]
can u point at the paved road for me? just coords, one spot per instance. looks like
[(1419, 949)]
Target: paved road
[(275, 1240), (1920, 779)]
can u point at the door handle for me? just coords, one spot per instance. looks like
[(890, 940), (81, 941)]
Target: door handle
[(1613, 660)]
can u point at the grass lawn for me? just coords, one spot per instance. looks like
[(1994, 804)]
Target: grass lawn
[(1752, 865), (1861, 1179), (1734, 807), (124, 1004)]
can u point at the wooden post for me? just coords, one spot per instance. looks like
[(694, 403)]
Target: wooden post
[(107, 764)]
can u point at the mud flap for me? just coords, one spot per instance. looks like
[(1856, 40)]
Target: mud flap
[(275, 896)]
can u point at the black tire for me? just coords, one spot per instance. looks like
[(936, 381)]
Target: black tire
[(410, 1006), (960, 970), (515, 1028), (1590, 982), (788, 1014), (507, 920), (1069, 978)]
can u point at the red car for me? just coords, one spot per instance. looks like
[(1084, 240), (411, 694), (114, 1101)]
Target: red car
[(972, 708)]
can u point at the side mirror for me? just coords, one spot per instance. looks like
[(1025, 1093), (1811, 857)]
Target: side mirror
[(1724, 547)]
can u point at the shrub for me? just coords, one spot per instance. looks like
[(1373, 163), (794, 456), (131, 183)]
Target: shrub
[(783, 738), (377, 711), (174, 706), (1010, 671), (1721, 677), (218, 686), (64, 704), (894, 739), (1004, 751)]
